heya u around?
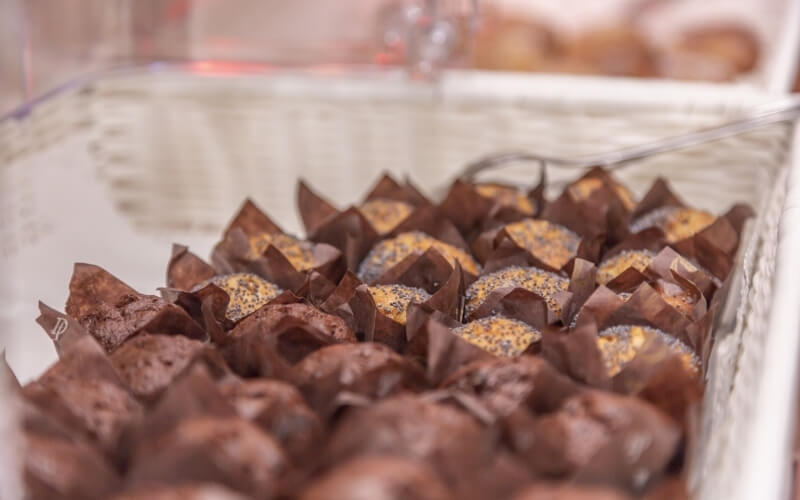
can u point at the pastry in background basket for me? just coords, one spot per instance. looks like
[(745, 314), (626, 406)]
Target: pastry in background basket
[(508, 41), (496, 344)]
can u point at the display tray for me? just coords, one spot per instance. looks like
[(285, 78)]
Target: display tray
[(114, 169)]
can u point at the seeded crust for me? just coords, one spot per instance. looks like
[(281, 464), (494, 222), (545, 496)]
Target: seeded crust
[(541, 282), (297, 252), (552, 244), (247, 293), (392, 300), (584, 188), (619, 345), (388, 253), (677, 223), (499, 335), (507, 196), (616, 265), (384, 215)]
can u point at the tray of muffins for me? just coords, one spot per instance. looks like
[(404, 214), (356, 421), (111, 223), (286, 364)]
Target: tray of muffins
[(491, 344), (544, 333)]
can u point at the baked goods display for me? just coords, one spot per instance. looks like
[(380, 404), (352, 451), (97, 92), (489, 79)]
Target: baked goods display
[(494, 344), (716, 51)]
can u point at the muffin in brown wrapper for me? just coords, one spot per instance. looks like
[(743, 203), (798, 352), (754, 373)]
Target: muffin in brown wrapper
[(575, 353), (276, 336), (113, 312), (62, 470), (280, 410), (525, 285), (186, 270), (596, 207), (620, 344), (589, 426), (403, 250), (386, 205), (277, 257), (355, 230), (428, 271), (499, 335), (83, 391), (612, 267), (193, 394), (448, 441), (367, 369), (378, 478), (379, 312), (662, 376), (230, 451), (698, 236), (191, 491), (561, 491), (431, 341), (503, 385), (474, 208), (148, 364), (246, 293)]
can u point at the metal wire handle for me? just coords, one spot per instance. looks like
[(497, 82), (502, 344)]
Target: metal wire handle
[(783, 111)]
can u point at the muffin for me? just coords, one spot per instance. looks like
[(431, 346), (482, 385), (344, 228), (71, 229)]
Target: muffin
[(247, 293), (392, 300), (385, 215), (613, 266), (550, 243), (507, 196), (677, 223), (543, 283), (620, 344), (499, 335), (388, 253), (299, 253)]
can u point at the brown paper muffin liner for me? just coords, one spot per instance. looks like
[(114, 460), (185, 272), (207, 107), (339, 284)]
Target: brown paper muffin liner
[(112, 311)]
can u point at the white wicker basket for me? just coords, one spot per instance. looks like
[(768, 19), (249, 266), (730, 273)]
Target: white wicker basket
[(114, 170)]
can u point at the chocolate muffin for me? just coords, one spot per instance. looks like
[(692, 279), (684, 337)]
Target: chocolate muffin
[(280, 410), (59, 469), (149, 363), (388, 253), (445, 439), (230, 451), (592, 424), (378, 478), (369, 369), (504, 384)]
